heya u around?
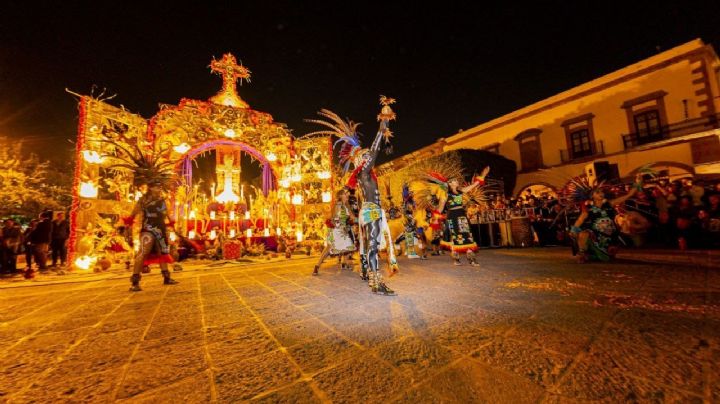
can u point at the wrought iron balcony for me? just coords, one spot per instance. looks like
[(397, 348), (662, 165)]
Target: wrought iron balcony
[(596, 149), (678, 129)]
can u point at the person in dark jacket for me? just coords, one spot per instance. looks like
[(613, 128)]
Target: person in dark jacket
[(40, 239), (10, 246), (27, 244), (60, 234)]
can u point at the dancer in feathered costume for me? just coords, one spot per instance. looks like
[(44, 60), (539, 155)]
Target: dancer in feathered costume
[(151, 169), (413, 234), (595, 230), (340, 240), (373, 222), (441, 194)]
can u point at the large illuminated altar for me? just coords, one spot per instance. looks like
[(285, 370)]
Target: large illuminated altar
[(292, 200)]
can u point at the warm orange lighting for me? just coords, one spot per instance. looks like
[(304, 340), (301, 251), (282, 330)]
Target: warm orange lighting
[(285, 183), (92, 157), (323, 175), (212, 215), (85, 262), (247, 215), (191, 234), (227, 195), (249, 233), (271, 156), (232, 215), (230, 133), (232, 233), (278, 231), (88, 190), (182, 148), (326, 196), (266, 233), (192, 214), (299, 235), (213, 235)]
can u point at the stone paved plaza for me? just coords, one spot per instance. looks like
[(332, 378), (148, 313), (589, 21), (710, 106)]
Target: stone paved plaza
[(527, 326)]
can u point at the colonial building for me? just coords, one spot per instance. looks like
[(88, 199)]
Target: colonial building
[(661, 111)]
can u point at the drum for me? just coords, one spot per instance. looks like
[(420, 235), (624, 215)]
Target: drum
[(521, 231)]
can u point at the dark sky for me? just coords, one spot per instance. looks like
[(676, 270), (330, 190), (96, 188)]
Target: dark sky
[(449, 66)]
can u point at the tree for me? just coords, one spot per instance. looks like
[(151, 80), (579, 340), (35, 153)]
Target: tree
[(24, 189)]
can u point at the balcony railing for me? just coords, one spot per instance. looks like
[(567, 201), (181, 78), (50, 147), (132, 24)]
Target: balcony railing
[(678, 129), (596, 149)]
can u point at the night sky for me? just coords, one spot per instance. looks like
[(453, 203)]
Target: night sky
[(450, 67)]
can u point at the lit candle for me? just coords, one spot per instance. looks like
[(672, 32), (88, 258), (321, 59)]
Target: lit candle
[(212, 215), (232, 215), (232, 233), (249, 233), (278, 231), (247, 215), (267, 232)]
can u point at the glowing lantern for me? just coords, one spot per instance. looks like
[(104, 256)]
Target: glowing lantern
[(266, 233), (249, 233), (271, 156), (92, 157), (182, 148), (191, 234), (213, 235), (299, 235), (232, 233), (85, 262), (326, 196), (297, 199), (230, 133), (88, 190), (212, 215)]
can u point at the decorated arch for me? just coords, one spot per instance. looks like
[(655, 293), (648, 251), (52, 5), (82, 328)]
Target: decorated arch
[(297, 175)]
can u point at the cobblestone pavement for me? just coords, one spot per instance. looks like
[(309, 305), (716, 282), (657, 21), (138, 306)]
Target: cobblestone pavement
[(527, 326)]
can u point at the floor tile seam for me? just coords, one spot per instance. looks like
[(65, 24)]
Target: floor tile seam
[(156, 390), (316, 389), (309, 381), (77, 343), (126, 366), (66, 315), (333, 329), (429, 377), (208, 357)]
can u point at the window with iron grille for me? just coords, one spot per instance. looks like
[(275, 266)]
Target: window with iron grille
[(647, 125), (580, 143)]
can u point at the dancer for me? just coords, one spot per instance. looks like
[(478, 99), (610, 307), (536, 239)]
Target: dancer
[(413, 234), (340, 240), (458, 236), (595, 230), (373, 222), (154, 240), (153, 169)]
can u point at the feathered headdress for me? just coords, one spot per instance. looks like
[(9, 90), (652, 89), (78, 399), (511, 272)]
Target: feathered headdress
[(147, 167), (345, 130), (578, 190)]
